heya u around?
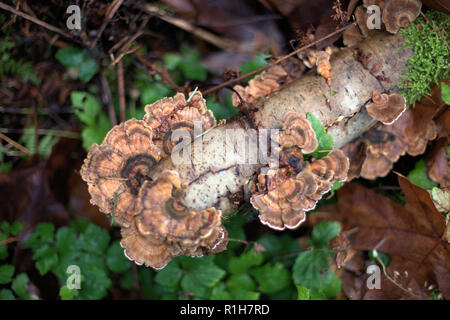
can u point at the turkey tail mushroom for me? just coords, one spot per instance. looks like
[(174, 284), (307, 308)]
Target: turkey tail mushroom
[(399, 13), (115, 170)]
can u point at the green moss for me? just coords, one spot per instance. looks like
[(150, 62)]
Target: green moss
[(431, 59)]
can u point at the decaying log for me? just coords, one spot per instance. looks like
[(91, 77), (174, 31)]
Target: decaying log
[(376, 64)]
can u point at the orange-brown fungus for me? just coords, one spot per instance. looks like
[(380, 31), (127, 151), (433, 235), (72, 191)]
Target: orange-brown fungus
[(386, 108), (297, 132), (169, 114), (115, 170), (399, 13), (164, 228), (283, 198), (163, 212)]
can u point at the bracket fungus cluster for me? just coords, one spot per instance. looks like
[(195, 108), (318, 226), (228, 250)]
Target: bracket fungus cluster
[(386, 108), (283, 195), (266, 83), (156, 225)]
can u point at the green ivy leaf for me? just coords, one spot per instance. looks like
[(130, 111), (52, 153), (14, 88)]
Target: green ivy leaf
[(94, 239), (115, 258), (279, 245), (88, 68), (6, 273), (245, 261), (271, 278), (190, 284), (303, 293), (20, 285), (325, 140), (6, 294), (419, 176), (67, 294)]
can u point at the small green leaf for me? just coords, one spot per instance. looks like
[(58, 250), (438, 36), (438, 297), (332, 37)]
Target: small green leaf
[(170, 276), (94, 239), (190, 284), (46, 258), (88, 68), (43, 234), (115, 258), (20, 285), (240, 281), (271, 278), (245, 261), (258, 61), (419, 176), (311, 270), (86, 107), (3, 248), (240, 294), (445, 91), (67, 294), (303, 293), (324, 232), (66, 240), (6, 294), (325, 140), (6, 273), (5, 226), (219, 293), (70, 57), (95, 284)]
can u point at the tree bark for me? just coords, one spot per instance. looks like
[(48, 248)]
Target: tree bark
[(376, 64)]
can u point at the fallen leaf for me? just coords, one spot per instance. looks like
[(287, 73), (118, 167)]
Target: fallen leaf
[(413, 235)]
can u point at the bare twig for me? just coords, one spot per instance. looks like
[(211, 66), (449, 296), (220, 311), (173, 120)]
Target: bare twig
[(107, 99), (35, 20), (232, 81), (153, 69), (121, 89), (12, 239), (224, 44), (52, 132), (15, 144), (112, 9)]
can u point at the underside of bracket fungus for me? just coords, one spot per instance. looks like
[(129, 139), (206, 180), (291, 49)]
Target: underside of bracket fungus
[(115, 170), (386, 108), (284, 195), (399, 13), (169, 114)]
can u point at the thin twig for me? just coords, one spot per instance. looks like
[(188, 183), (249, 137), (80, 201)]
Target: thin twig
[(225, 44), (15, 144), (152, 69), (112, 9), (35, 20), (52, 132), (12, 239), (121, 89), (232, 81), (107, 99)]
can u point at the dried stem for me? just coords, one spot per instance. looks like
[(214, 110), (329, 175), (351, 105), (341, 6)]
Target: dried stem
[(15, 144), (112, 9), (121, 88)]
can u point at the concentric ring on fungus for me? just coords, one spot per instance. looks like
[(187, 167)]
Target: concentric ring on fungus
[(116, 169)]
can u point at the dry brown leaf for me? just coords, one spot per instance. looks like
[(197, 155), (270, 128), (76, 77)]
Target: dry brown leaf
[(413, 235)]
